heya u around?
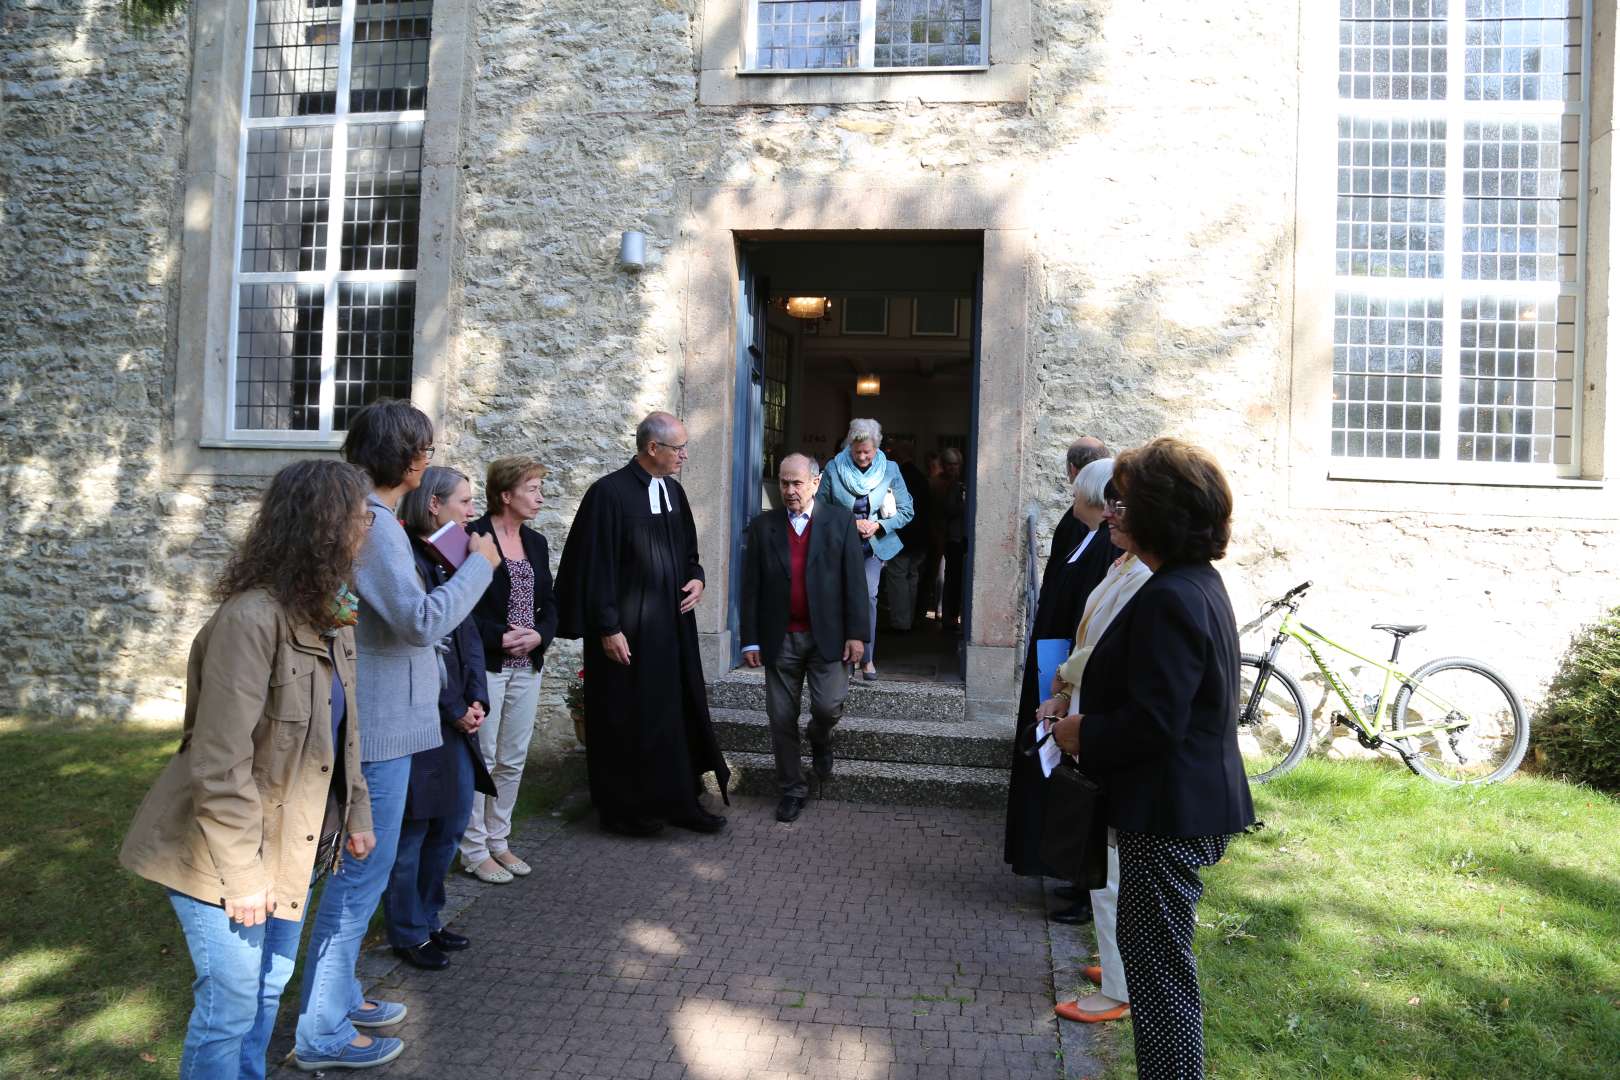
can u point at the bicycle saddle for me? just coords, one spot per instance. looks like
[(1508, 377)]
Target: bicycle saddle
[(1400, 630)]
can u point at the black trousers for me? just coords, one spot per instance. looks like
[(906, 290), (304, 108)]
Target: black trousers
[(1159, 889)]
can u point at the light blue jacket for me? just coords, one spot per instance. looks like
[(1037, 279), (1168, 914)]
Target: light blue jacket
[(396, 673), (885, 544)]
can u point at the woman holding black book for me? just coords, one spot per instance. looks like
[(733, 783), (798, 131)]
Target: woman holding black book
[(517, 618), (443, 779)]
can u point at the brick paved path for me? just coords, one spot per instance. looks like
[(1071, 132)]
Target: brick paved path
[(860, 942)]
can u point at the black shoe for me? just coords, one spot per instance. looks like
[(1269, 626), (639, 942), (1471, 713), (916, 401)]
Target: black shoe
[(699, 820), (1071, 894), (788, 809), (1076, 915), (637, 827), (425, 956), (821, 760), (449, 941)]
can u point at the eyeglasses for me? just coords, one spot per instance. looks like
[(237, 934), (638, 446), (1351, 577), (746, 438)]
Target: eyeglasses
[(681, 449), (426, 451), (1115, 507), (368, 517)]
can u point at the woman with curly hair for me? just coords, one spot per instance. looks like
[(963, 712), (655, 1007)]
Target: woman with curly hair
[(267, 781)]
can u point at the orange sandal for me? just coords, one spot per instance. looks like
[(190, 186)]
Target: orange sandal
[(1070, 1010), (1093, 974)]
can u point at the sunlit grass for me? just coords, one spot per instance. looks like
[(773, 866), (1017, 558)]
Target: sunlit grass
[(1382, 926)]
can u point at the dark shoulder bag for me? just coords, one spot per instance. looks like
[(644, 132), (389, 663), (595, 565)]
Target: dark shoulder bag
[(1074, 833)]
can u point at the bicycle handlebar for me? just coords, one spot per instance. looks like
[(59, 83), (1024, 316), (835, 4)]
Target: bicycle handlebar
[(1295, 591)]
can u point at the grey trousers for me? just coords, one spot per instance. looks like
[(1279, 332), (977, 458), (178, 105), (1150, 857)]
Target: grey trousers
[(900, 587), (784, 682)]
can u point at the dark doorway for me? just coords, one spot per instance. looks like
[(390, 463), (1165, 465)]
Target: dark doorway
[(837, 328)]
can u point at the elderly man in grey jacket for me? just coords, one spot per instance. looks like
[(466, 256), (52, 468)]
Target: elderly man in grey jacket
[(396, 702)]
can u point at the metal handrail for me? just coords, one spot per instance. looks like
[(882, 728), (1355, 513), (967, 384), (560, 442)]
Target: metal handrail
[(1032, 585)]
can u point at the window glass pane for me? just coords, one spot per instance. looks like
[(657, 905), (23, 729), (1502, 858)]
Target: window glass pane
[(1522, 50), (390, 65), (284, 193), (1386, 376), (1392, 50), (375, 326), (382, 197), (278, 357), (1516, 393), (808, 34), (929, 33), (295, 58)]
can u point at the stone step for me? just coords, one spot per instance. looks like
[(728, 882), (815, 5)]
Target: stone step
[(744, 688), (887, 782), (986, 744)]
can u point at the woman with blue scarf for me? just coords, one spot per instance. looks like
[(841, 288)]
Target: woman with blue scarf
[(865, 482)]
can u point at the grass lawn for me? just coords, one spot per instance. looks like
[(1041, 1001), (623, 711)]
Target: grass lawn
[(1381, 926), (95, 980)]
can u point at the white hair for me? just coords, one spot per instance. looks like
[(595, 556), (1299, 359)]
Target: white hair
[(861, 430), (1092, 480)]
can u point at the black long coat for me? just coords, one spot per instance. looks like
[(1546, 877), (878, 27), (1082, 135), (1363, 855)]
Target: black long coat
[(834, 583), (1064, 589), (435, 788), (650, 738)]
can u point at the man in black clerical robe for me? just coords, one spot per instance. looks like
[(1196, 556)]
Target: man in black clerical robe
[(1068, 579), (628, 583)]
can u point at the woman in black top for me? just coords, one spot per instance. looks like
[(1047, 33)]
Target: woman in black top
[(1157, 728), (517, 618)]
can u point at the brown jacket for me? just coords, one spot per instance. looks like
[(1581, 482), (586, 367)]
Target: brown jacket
[(239, 806)]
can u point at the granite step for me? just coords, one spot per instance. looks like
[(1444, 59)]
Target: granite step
[(986, 744), (931, 702), (886, 782)]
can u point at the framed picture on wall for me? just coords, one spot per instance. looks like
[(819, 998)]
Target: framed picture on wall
[(867, 315), (934, 316)]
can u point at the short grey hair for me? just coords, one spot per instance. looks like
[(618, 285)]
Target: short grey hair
[(809, 460), (864, 430), (1091, 481), (951, 454), (657, 427), (415, 509)]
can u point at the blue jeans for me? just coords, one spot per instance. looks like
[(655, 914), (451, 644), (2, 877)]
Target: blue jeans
[(331, 992), (240, 975), (427, 846)]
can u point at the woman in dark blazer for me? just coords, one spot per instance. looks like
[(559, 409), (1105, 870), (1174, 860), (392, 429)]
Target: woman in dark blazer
[(1157, 728), (445, 778), (517, 619)]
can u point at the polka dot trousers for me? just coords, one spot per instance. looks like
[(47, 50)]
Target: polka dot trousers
[(1158, 898)]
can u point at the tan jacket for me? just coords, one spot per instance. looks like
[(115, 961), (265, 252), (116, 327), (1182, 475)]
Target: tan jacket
[(239, 806)]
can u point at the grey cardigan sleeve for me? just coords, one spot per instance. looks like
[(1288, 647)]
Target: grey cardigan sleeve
[(388, 584)]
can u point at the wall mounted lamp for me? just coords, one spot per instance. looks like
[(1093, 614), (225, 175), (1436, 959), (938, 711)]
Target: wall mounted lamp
[(807, 307), (868, 386), (632, 250)]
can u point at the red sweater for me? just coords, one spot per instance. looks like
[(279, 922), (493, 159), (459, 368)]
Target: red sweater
[(798, 596)]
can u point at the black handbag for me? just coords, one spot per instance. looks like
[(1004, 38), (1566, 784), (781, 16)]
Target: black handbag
[(1074, 833)]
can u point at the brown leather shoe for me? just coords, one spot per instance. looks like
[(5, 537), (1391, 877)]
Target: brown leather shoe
[(1070, 1010)]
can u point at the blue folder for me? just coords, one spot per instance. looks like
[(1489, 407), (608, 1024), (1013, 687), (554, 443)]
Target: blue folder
[(1049, 656)]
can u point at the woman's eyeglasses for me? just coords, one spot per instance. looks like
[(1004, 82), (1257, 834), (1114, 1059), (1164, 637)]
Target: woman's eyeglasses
[(1115, 507)]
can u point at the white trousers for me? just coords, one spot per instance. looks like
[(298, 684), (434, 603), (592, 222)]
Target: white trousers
[(1105, 917), (504, 740)]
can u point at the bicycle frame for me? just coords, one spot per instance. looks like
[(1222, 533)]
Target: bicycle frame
[(1372, 727)]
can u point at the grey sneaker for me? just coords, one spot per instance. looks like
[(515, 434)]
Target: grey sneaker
[(381, 1051)]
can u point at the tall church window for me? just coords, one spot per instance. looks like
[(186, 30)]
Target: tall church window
[(817, 35), (324, 279), (1462, 128)]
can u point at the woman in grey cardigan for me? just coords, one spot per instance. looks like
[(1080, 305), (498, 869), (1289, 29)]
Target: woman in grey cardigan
[(397, 699)]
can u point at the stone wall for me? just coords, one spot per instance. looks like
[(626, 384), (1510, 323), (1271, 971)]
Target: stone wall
[(1157, 150)]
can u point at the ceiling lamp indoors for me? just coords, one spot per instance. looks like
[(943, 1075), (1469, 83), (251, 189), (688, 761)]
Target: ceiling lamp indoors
[(807, 307), (868, 386)]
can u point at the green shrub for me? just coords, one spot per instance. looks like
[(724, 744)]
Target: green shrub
[(1577, 731)]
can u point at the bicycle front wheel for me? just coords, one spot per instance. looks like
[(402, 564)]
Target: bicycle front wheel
[(1273, 727), (1477, 730)]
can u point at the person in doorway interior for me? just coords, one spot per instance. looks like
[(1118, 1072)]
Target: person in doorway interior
[(397, 691), (517, 620), (628, 584), (444, 778), (953, 512), (803, 610), (267, 781), (1072, 572), (929, 500), (862, 480), (902, 573), (1127, 574), (1156, 726)]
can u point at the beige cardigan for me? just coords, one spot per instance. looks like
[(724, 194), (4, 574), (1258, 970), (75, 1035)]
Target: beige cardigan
[(1107, 600)]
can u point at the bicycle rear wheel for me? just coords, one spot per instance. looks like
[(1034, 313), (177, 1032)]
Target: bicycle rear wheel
[(1273, 727), (1486, 729)]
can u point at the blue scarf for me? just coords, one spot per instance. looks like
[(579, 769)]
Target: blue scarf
[(855, 480)]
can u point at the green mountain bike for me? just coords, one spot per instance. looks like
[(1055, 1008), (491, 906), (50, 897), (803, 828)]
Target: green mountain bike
[(1454, 721)]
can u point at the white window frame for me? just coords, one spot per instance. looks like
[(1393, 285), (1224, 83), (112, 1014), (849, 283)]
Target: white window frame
[(1456, 111), (332, 276), (867, 50)]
